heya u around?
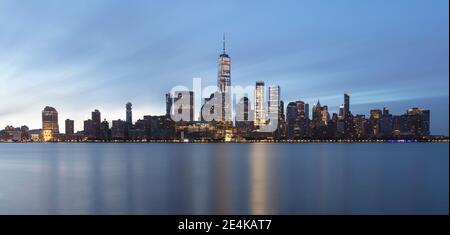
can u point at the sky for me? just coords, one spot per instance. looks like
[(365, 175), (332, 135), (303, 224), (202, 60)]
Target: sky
[(82, 55)]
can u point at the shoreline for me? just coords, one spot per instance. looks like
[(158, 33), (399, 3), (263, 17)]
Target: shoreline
[(303, 141)]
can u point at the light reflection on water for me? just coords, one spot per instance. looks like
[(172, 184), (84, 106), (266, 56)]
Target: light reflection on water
[(224, 178)]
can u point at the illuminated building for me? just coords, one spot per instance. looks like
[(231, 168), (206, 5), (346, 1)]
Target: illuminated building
[(224, 83), (317, 115), (274, 102), (292, 120), (50, 127), (260, 115), (418, 122), (359, 122), (386, 123), (303, 118), (325, 114), (244, 116), (375, 115)]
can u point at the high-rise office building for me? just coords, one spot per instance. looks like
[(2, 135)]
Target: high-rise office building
[(95, 124), (69, 127), (317, 115), (375, 116), (224, 83), (346, 105), (243, 110), (418, 121), (184, 106), (341, 112), (260, 115), (210, 110), (169, 102), (359, 122), (129, 112), (307, 111), (50, 125), (386, 123), (281, 132), (96, 117), (244, 116), (325, 114), (302, 118), (274, 102), (292, 120)]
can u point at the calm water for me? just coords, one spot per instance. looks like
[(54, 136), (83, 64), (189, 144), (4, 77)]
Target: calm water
[(224, 178)]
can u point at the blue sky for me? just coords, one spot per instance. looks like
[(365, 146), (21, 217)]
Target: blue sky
[(83, 55)]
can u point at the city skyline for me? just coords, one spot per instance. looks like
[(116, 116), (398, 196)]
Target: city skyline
[(379, 64)]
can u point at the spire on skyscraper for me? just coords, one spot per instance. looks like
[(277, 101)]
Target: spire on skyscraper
[(223, 43)]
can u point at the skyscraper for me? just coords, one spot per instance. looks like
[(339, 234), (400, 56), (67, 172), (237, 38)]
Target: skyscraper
[(306, 111), (244, 122), (169, 102), (386, 123), (346, 104), (96, 123), (96, 117), (224, 83), (303, 117), (325, 114), (317, 114), (243, 110), (292, 120), (69, 127), (418, 121), (260, 118), (184, 106), (129, 113), (375, 116), (274, 101), (50, 122)]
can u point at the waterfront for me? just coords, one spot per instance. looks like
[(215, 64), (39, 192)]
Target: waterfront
[(233, 178)]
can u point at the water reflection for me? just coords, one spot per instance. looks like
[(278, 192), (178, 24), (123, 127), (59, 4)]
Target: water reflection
[(223, 179), (258, 190)]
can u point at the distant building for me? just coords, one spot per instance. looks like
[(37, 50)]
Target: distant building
[(184, 106), (69, 127), (292, 120), (50, 127), (325, 114), (260, 114), (244, 117), (210, 110), (317, 119), (386, 123), (105, 133), (359, 122), (346, 105), (418, 122), (118, 130), (302, 118), (224, 83), (169, 103), (129, 113), (274, 101), (375, 116)]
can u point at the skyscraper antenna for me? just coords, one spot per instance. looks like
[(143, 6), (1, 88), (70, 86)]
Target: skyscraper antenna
[(223, 43)]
